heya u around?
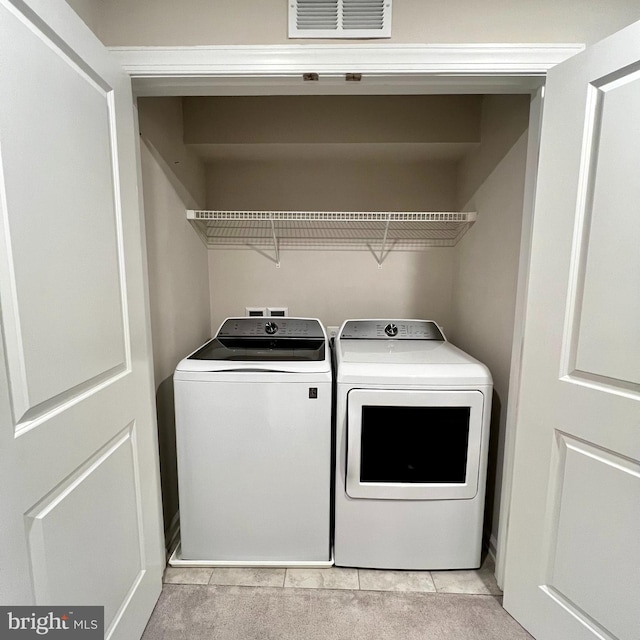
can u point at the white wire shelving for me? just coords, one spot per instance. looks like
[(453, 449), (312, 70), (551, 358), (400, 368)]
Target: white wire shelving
[(377, 232)]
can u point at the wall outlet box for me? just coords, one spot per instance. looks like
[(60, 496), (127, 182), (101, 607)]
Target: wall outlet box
[(278, 311), (255, 311)]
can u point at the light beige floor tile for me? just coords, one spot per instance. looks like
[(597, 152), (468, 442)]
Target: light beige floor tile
[(379, 580), (248, 577), (187, 575), (333, 578), (480, 581)]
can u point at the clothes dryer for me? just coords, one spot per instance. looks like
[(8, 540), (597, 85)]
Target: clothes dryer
[(412, 434), (253, 431)]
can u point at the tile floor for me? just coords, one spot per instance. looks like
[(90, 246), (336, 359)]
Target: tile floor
[(476, 582)]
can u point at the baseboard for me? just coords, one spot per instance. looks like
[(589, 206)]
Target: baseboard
[(172, 533), (492, 546)]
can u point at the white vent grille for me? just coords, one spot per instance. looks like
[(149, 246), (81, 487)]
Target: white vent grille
[(340, 18), (317, 14), (363, 14)]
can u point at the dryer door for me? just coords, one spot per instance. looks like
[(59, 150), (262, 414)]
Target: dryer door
[(413, 445)]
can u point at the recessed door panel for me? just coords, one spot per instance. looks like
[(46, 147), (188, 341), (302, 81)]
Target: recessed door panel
[(413, 444), (61, 285), (98, 502), (608, 339), (594, 550)]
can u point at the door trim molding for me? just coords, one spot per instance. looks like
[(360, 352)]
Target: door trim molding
[(241, 69), (522, 289)]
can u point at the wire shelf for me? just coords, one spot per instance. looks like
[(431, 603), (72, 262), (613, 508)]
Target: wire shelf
[(375, 231)]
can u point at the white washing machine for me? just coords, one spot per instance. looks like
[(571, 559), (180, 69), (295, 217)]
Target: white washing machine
[(412, 433), (253, 432)]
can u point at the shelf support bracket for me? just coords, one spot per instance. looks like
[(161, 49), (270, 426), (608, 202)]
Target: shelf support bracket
[(380, 258), (276, 249)]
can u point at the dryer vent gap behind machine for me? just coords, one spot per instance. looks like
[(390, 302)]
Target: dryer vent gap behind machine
[(253, 431), (412, 433)]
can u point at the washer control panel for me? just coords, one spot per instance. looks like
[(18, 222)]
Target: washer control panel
[(391, 330), (263, 327)]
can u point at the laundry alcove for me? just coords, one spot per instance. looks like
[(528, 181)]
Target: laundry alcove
[(377, 154)]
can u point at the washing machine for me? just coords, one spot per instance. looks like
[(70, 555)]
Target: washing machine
[(412, 434), (253, 434)]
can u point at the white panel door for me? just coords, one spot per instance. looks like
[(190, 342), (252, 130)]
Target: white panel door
[(79, 491), (573, 550)]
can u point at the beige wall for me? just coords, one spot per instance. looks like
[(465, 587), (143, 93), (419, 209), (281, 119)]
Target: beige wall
[(332, 119), (179, 301), (178, 282), (332, 285), (332, 185), (192, 22), (504, 119), (91, 11), (486, 270), (162, 127)]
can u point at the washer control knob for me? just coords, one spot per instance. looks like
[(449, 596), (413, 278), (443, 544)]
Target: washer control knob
[(391, 330), (271, 328)]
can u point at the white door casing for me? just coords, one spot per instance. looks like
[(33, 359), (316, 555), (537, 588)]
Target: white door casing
[(79, 497), (573, 549)]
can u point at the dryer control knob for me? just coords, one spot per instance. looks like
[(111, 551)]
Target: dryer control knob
[(271, 328), (391, 330)]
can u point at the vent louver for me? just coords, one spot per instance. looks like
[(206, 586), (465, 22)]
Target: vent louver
[(363, 14), (317, 14), (340, 18)]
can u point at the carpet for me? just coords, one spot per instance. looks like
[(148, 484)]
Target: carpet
[(195, 612)]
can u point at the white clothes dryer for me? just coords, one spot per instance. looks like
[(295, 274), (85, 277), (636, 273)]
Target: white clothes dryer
[(253, 432), (412, 433)]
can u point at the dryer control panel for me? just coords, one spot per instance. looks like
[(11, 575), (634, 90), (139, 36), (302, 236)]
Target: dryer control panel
[(391, 330)]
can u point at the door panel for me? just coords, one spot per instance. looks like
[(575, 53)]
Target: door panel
[(66, 249), (607, 340), (585, 542), (106, 514), (572, 552), (78, 453)]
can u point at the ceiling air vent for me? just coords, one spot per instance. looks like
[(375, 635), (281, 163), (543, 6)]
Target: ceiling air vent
[(339, 18)]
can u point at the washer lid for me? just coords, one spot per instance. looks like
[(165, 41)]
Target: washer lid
[(261, 350), (262, 344)]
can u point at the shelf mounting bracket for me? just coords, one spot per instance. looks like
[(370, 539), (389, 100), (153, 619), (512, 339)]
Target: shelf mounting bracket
[(380, 258), (276, 249)]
